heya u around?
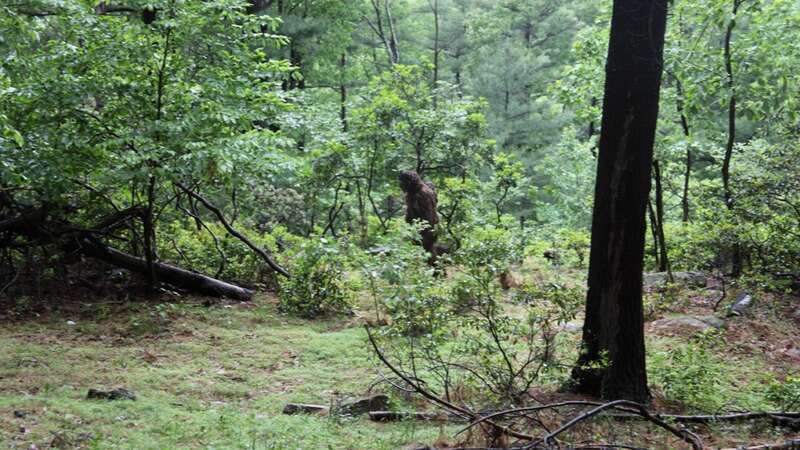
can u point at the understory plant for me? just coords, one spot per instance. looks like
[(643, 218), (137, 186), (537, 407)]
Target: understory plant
[(318, 285), (466, 340)]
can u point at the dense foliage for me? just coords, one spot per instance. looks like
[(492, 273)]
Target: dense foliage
[(216, 135)]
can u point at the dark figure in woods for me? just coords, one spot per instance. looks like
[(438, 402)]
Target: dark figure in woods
[(421, 205)]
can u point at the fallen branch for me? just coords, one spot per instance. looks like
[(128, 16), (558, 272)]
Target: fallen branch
[(685, 435), (210, 206), (182, 278), (735, 417), (459, 411), (780, 419), (397, 416), (529, 409), (788, 445)]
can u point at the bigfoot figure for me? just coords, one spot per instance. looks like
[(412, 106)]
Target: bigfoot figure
[(421, 205)]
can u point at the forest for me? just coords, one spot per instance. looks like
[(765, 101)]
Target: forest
[(400, 224)]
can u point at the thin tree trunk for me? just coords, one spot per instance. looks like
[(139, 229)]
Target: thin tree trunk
[(612, 363), (148, 229), (435, 7), (343, 92), (654, 232), (686, 132), (726, 163), (663, 265)]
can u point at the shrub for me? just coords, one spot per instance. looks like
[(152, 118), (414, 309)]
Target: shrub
[(318, 284), (785, 394), (690, 374)]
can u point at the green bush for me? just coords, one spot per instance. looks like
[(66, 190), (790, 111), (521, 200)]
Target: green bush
[(317, 287), (785, 394), (690, 374)]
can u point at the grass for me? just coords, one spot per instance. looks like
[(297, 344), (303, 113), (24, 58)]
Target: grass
[(204, 377), (218, 377)]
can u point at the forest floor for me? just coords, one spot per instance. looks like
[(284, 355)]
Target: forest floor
[(219, 376)]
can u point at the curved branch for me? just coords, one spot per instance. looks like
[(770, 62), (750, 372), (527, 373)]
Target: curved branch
[(263, 254)]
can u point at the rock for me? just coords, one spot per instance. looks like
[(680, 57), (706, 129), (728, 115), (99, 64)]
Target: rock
[(714, 321), (382, 251), (740, 305), (571, 327), (793, 353), (686, 279), (20, 414), (303, 408), (377, 402), (119, 275), (687, 323), (115, 394)]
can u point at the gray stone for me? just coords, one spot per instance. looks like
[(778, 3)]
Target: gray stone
[(741, 304), (571, 327), (714, 321), (686, 279), (114, 394), (303, 408), (377, 402), (687, 323)]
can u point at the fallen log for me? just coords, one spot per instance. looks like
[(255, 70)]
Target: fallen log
[(176, 276), (397, 416)]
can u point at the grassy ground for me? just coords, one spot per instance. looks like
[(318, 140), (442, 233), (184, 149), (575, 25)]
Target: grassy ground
[(205, 378), (219, 376)]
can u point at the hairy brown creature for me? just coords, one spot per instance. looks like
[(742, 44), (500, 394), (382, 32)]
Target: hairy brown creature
[(421, 205)]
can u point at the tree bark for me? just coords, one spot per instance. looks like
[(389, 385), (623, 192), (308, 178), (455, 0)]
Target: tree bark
[(612, 363)]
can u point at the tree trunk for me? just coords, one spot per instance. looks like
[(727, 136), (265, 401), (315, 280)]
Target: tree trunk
[(435, 8), (653, 221), (726, 163), (191, 281), (685, 126), (663, 265), (612, 364), (149, 230), (343, 92)]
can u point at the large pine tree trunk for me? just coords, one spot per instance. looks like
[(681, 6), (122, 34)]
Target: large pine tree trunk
[(613, 330)]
